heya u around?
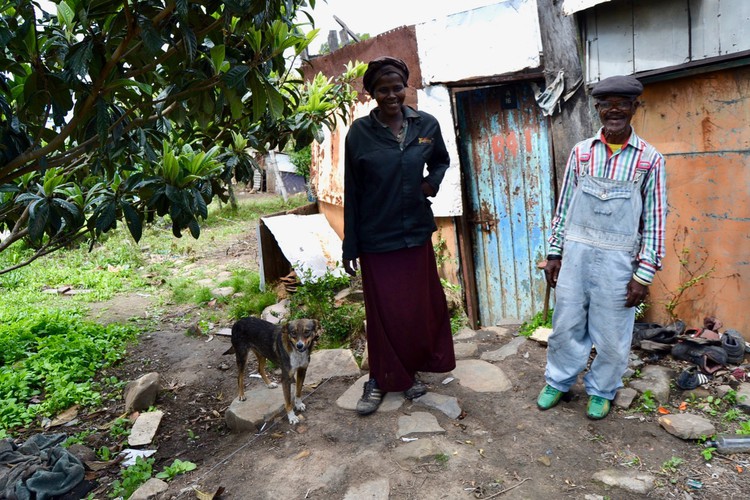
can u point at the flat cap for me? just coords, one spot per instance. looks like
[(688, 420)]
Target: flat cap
[(618, 85)]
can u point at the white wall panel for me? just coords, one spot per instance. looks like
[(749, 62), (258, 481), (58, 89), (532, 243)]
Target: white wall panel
[(493, 40)]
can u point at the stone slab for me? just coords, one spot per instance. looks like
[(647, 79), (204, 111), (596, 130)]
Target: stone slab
[(262, 405), (481, 376), (509, 349), (348, 400), (446, 404), (419, 422), (144, 428), (377, 489), (465, 350), (328, 363), (541, 335)]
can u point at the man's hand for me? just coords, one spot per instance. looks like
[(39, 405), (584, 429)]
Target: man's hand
[(350, 266), (637, 293), (551, 270)]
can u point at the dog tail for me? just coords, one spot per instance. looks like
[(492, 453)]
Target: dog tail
[(228, 351)]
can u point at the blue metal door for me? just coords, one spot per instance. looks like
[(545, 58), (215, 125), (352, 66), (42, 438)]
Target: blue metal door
[(506, 159)]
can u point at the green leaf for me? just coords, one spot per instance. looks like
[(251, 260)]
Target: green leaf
[(235, 77), (132, 219), (275, 101), (106, 216), (190, 41), (38, 219), (218, 53)]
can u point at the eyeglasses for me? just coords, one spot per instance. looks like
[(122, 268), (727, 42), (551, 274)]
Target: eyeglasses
[(621, 105)]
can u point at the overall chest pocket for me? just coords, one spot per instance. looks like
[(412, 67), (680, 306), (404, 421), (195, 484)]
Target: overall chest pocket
[(608, 209)]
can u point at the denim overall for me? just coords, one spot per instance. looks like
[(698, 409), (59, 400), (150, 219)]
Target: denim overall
[(601, 243)]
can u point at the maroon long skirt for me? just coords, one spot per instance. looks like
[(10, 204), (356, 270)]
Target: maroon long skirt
[(408, 327)]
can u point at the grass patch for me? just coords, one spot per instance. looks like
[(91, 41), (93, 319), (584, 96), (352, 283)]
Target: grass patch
[(48, 361), (537, 321)]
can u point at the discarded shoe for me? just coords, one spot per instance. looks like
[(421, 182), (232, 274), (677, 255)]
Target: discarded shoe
[(708, 358), (691, 379), (549, 397), (651, 346), (661, 334), (371, 398), (704, 336), (734, 345), (416, 390), (597, 407), (712, 323)]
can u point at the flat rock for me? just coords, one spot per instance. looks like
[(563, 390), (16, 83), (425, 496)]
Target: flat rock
[(144, 428), (419, 422), (465, 350), (465, 333), (687, 426), (328, 363), (509, 349), (541, 335), (276, 313), (743, 396), (377, 489), (141, 394), (481, 376), (624, 397), (420, 450), (150, 489), (499, 332), (656, 379), (348, 401), (224, 291), (630, 480), (446, 404), (262, 405)]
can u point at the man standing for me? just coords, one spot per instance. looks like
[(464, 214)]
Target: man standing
[(606, 245)]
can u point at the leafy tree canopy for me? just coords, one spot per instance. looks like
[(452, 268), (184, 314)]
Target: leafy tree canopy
[(128, 110)]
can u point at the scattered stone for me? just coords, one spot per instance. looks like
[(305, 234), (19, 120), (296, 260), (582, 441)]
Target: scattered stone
[(224, 291), (419, 422), (656, 379), (589, 496), (509, 349), (629, 372), (629, 480), (544, 460), (465, 333), (262, 405), (150, 489), (541, 335), (194, 330), (223, 276), (377, 489), (419, 450), (144, 428), (141, 394), (225, 332), (327, 363), (687, 426), (498, 332), (722, 390), (440, 402), (205, 282), (83, 453), (696, 394), (465, 350), (348, 401), (481, 376), (624, 397), (743, 396), (276, 313)]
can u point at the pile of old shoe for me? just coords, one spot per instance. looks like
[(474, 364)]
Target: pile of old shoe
[(706, 348)]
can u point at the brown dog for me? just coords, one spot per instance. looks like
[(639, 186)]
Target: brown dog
[(287, 345)]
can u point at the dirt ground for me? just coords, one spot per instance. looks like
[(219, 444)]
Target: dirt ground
[(503, 447)]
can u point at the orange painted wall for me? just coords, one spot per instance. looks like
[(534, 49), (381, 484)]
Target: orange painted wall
[(701, 124)]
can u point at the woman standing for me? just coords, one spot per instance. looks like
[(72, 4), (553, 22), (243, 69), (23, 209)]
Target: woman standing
[(388, 225)]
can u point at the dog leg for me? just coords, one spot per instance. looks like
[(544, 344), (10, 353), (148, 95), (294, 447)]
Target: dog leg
[(286, 385), (298, 404), (241, 357), (262, 372)]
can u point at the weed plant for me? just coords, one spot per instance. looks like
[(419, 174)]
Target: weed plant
[(537, 321), (314, 299)]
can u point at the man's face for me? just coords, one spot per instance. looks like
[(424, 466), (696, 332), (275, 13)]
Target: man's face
[(615, 113)]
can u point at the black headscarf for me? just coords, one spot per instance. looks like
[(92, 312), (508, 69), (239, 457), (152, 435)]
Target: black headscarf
[(382, 66)]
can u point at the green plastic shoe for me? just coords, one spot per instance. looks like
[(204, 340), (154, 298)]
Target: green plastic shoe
[(597, 408), (549, 397)]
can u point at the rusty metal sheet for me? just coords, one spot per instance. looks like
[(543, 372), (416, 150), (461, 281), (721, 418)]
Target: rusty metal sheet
[(506, 159), (700, 124)]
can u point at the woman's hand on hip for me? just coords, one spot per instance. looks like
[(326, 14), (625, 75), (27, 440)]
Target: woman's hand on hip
[(350, 266)]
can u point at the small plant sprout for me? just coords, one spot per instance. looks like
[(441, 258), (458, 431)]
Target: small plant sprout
[(178, 467), (671, 465)]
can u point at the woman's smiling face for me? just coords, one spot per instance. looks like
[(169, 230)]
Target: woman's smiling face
[(389, 91)]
